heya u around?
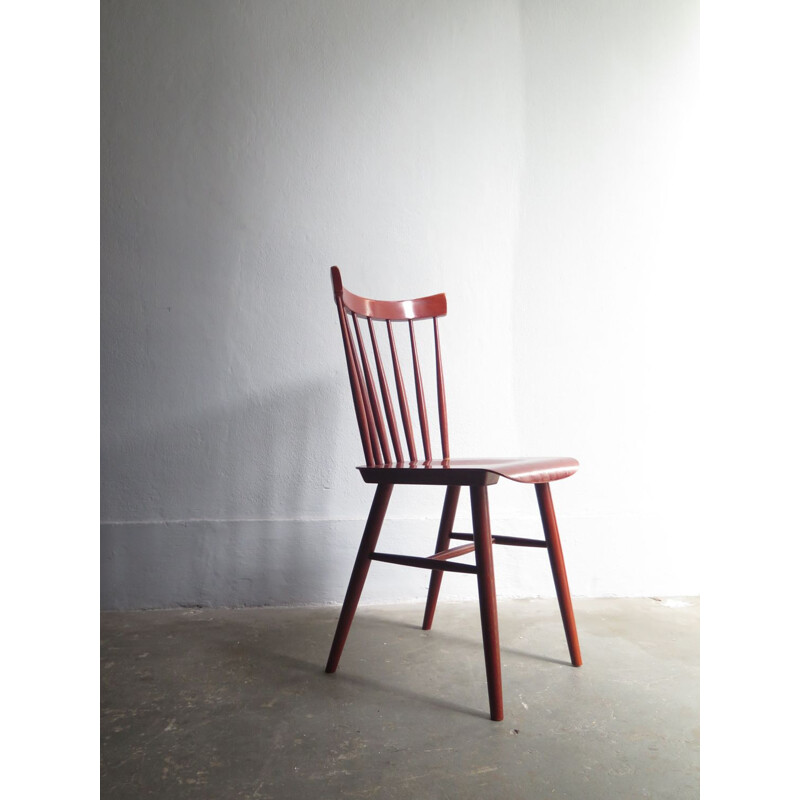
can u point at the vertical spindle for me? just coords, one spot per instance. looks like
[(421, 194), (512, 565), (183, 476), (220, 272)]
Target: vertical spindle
[(387, 398), (373, 433), (401, 396), (373, 396), (355, 388), (423, 414), (440, 393)]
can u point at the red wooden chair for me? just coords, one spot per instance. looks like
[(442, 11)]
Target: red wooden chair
[(385, 470)]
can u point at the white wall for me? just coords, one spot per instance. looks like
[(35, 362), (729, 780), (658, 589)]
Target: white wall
[(531, 159)]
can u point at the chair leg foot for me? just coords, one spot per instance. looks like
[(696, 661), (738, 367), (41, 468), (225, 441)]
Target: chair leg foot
[(487, 598), (442, 543), (559, 570), (359, 575)]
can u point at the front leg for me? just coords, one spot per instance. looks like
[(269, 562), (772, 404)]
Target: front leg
[(487, 598), (360, 569)]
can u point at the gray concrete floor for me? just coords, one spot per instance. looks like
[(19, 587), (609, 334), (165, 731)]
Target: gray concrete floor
[(234, 703)]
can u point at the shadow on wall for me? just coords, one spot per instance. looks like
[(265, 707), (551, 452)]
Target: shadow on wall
[(213, 510)]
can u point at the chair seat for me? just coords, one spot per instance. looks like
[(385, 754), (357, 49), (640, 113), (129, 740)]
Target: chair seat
[(472, 471)]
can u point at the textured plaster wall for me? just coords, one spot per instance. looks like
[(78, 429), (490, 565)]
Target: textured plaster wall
[(532, 159)]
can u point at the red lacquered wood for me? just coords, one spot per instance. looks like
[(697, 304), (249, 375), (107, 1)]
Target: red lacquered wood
[(396, 310), (559, 570), (477, 473), (372, 531), (358, 401), (453, 552), (440, 393), (399, 310), (387, 398), (515, 541), (487, 598), (336, 281), (442, 542), (424, 563), (423, 414), (401, 397), (451, 471), (372, 395), (372, 432)]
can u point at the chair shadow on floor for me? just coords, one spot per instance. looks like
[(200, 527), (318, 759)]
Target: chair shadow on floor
[(291, 668), (261, 660), (444, 633)]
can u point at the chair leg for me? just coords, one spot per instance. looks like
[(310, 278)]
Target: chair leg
[(487, 598), (360, 569), (559, 571), (442, 543)]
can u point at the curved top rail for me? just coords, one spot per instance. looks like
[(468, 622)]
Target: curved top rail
[(418, 308)]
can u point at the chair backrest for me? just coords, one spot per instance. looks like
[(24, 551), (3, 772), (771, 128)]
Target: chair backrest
[(369, 414)]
